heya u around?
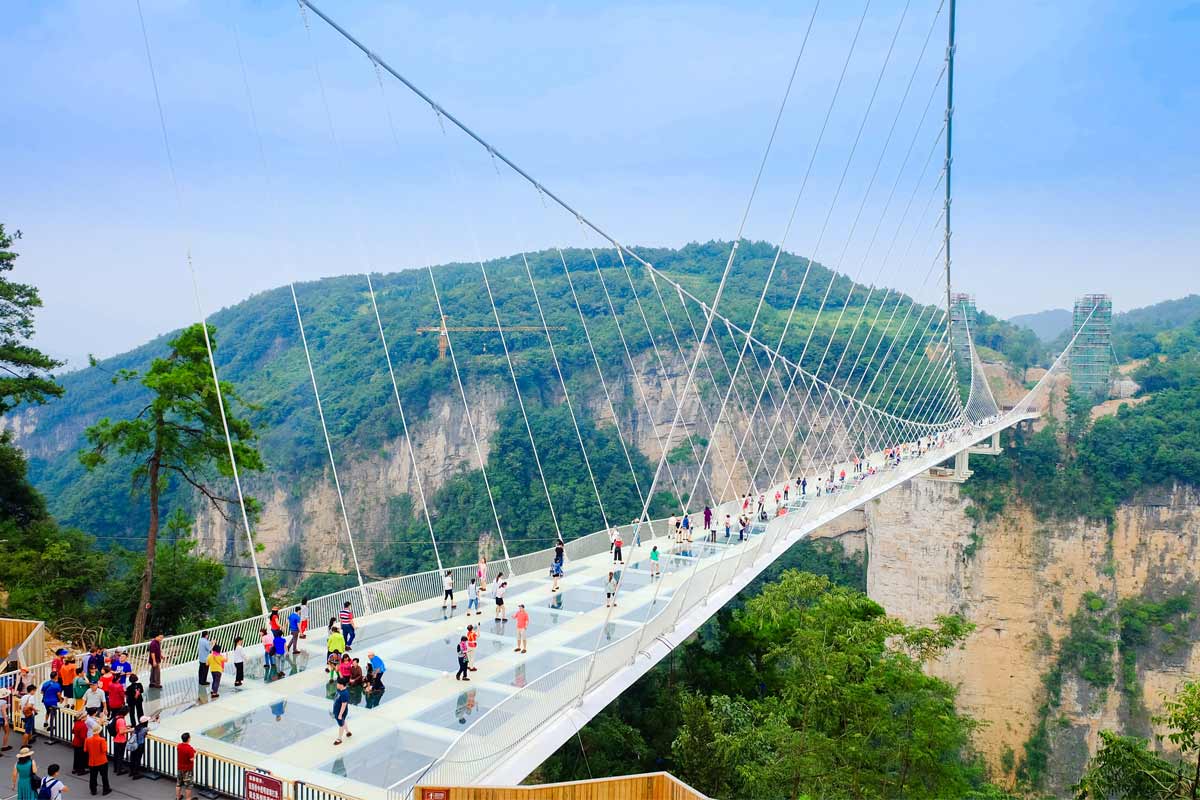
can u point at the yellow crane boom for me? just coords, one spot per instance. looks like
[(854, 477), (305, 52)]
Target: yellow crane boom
[(444, 330)]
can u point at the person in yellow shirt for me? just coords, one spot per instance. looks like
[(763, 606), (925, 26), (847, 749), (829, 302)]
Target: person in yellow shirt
[(216, 668)]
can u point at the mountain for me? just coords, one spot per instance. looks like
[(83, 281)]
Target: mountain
[(1048, 325), (1171, 327)]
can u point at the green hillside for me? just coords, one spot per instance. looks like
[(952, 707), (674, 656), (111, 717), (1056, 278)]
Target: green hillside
[(259, 351)]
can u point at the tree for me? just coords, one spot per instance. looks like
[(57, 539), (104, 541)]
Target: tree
[(841, 704), (1125, 767), (178, 434), (24, 370)]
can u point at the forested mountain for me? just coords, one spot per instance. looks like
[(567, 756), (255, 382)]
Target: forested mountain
[(1048, 324)]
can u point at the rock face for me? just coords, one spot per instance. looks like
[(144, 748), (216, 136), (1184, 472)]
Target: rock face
[(1019, 580)]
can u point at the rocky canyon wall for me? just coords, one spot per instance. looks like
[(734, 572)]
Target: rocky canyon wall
[(1020, 580)]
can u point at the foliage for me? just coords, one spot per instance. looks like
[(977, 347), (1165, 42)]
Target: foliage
[(24, 370), (183, 432), (1168, 328), (804, 688), (1125, 767)]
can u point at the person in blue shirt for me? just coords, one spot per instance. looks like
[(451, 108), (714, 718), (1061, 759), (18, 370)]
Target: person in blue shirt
[(341, 709), (203, 651), (294, 629), (376, 662), (51, 692), (120, 667), (280, 647)]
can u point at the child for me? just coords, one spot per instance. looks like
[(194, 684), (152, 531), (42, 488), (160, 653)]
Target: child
[(216, 668)]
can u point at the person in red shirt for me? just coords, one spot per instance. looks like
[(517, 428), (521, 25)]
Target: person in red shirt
[(97, 758), (116, 699), (79, 731), (185, 766)]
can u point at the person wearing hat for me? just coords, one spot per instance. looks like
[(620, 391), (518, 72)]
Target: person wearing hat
[(22, 774)]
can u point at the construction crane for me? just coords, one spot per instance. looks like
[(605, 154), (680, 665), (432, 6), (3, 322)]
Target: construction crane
[(443, 331)]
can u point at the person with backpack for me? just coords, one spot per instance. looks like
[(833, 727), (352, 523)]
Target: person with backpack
[(51, 787), (135, 748), (134, 697), (29, 715)]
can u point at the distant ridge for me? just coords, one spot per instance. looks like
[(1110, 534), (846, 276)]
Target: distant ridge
[(1048, 325)]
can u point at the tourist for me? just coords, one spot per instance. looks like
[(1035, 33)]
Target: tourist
[(97, 756), (22, 774), (786, 487), (239, 661), (29, 715), (66, 677), (341, 710), (268, 644), (556, 568), (612, 541), (472, 598), (463, 652), (804, 487), (79, 734), (135, 748), (346, 620), (51, 693), (5, 717), (51, 787), (654, 571), (617, 546), (279, 648), (185, 767), (472, 644), (274, 622), (522, 618), (686, 524), (610, 591), (336, 643), (79, 689), (203, 651), (156, 661), (216, 667), (95, 720), (728, 526), (294, 630), (121, 668), (501, 589), (707, 518), (448, 591), (304, 618), (134, 696), (94, 698), (119, 737), (481, 572), (375, 663)]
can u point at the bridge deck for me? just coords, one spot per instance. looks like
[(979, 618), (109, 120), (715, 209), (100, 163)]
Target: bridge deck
[(280, 720)]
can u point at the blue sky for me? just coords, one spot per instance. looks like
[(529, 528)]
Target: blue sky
[(1076, 165)]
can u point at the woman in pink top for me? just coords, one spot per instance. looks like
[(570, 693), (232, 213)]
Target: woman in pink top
[(522, 618)]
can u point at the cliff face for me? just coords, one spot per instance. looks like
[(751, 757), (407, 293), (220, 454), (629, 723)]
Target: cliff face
[(1020, 579)]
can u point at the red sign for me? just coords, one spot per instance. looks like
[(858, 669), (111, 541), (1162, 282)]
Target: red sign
[(434, 794), (263, 787)]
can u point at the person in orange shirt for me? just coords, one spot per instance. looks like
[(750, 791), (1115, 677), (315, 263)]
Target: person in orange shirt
[(472, 643), (97, 757), (522, 618)]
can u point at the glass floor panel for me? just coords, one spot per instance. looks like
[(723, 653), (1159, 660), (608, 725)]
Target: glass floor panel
[(460, 712), (376, 633), (272, 727), (637, 614), (382, 762), (552, 614), (617, 629), (533, 668), (442, 657), (576, 598)]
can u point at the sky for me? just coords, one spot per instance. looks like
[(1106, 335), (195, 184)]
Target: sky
[(1076, 167)]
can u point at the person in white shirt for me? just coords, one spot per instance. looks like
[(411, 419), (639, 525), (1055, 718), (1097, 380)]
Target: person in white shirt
[(473, 598), (448, 591), (239, 661), (501, 589)]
